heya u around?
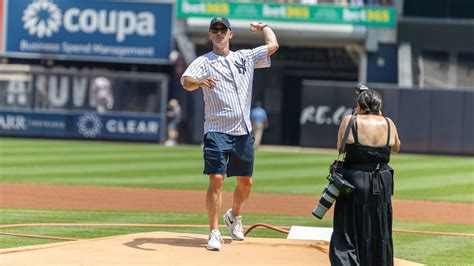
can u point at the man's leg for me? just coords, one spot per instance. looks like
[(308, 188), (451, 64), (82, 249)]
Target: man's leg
[(241, 193), (240, 165), (232, 217), (214, 199), (215, 165)]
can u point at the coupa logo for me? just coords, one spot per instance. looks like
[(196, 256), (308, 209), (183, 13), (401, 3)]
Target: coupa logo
[(43, 18)]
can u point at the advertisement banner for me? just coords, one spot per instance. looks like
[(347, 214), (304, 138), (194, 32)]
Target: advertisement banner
[(81, 125), (438, 121), (2, 18), (14, 123), (361, 16), (93, 30), (92, 125), (322, 112)]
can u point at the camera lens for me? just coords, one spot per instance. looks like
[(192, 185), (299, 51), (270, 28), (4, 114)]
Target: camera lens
[(330, 194)]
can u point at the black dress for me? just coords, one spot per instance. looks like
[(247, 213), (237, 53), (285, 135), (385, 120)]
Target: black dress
[(363, 221)]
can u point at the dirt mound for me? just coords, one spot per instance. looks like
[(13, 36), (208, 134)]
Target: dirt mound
[(162, 248)]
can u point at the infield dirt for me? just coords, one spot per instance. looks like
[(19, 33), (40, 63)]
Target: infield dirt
[(162, 248), (106, 198)]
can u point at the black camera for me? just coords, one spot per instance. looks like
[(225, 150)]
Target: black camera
[(337, 185)]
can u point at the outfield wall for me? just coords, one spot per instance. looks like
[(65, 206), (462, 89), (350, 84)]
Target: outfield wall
[(428, 121), (82, 103)]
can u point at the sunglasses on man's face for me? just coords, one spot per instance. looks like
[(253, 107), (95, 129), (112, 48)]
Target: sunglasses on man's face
[(221, 30)]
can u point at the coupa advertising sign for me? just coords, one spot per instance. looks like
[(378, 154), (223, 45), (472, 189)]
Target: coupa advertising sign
[(104, 30), (2, 15)]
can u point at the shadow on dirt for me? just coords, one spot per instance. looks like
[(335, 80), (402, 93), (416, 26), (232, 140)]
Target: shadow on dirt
[(181, 241)]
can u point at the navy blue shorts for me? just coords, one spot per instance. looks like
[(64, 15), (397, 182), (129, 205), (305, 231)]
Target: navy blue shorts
[(227, 154)]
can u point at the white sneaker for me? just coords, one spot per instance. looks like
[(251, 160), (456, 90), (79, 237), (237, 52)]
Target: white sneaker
[(215, 240), (170, 143), (234, 223)]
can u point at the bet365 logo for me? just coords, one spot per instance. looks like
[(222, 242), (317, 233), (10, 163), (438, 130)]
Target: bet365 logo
[(43, 18)]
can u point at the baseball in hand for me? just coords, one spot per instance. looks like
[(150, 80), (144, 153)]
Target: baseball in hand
[(256, 26)]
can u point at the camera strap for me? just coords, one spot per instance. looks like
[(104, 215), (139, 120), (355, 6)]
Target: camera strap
[(337, 163), (342, 148)]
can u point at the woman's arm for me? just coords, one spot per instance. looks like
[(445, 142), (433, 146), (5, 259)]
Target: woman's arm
[(396, 147)]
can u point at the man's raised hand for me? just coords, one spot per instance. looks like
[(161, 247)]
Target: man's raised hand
[(257, 26)]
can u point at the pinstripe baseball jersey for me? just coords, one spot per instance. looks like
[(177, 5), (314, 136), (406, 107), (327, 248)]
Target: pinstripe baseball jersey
[(227, 106)]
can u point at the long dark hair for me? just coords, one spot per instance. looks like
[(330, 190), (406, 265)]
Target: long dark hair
[(370, 102)]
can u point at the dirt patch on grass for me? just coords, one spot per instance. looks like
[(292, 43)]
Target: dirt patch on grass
[(33, 196)]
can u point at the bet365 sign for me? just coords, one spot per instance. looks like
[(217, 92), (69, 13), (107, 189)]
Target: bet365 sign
[(79, 28), (288, 12)]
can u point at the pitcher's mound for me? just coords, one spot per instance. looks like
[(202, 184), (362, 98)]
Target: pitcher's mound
[(162, 248)]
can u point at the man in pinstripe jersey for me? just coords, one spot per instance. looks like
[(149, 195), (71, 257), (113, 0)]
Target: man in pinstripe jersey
[(226, 79)]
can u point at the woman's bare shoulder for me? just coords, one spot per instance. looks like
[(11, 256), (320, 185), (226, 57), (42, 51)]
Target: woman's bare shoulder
[(346, 119), (390, 121)]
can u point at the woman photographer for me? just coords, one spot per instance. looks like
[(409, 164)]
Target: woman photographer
[(363, 220)]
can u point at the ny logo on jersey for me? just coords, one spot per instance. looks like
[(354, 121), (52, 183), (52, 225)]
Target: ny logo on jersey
[(240, 66)]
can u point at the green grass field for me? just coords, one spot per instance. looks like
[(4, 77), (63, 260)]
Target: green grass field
[(418, 177)]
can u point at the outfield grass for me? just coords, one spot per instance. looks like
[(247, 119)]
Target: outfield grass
[(418, 177)]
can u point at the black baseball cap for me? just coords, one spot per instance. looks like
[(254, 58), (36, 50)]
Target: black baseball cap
[(360, 87), (222, 20)]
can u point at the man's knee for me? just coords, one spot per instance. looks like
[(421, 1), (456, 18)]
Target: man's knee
[(245, 181), (216, 181)]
